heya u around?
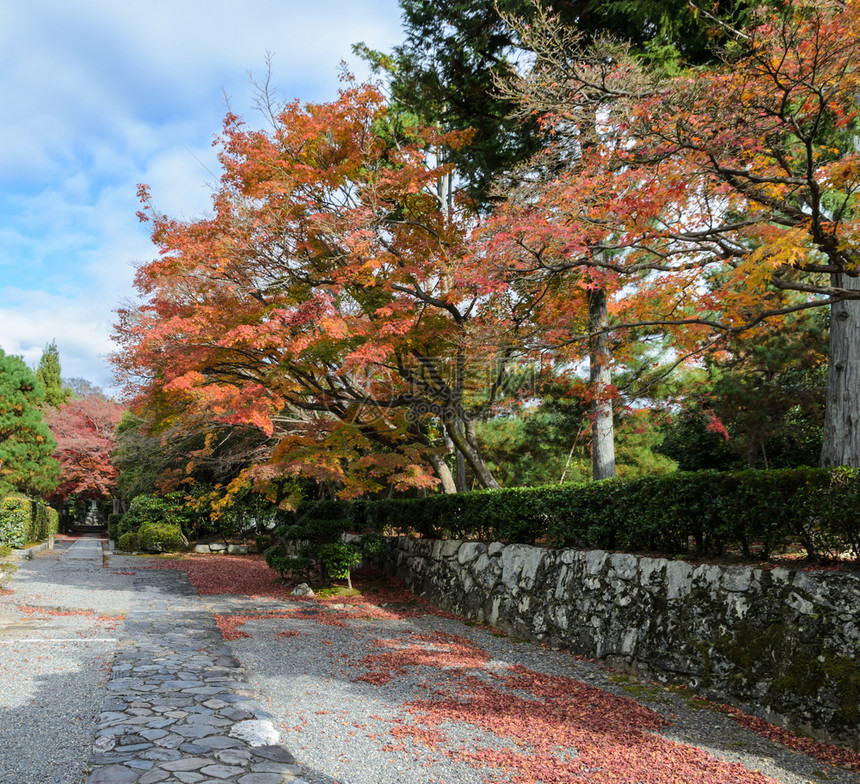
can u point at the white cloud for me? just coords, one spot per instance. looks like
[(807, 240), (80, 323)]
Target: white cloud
[(100, 96), (80, 326), (73, 72)]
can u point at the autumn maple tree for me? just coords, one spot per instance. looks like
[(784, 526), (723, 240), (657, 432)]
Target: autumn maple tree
[(84, 429), (323, 301), (706, 205)]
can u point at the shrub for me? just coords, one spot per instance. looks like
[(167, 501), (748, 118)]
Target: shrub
[(53, 520), (15, 517), (7, 570), (113, 523), (706, 511), (128, 542), (161, 538), (337, 560), (312, 537), (42, 527), (24, 520), (373, 544), (170, 509), (297, 566)]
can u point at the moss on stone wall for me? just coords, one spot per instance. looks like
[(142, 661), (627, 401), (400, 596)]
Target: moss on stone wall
[(782, 640)]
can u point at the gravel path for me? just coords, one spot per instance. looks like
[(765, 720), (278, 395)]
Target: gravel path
[(340, 728), (366, 696), (54, 667)]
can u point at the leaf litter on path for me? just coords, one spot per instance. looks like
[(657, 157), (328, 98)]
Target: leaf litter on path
[(527, 727)]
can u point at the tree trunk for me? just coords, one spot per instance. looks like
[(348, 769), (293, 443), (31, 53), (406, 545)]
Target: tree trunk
[(841, 437), (443, 472), (600, 378), (472, 456), (461, 472)]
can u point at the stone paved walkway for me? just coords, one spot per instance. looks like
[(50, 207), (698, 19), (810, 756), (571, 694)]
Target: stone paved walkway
[(178, 707)]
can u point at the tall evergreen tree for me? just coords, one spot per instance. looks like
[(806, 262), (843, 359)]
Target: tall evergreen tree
[(49, 374), (26, 444), (446, 70)]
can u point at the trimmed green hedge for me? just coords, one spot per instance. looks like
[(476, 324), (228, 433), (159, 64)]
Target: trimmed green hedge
[(113, 523), (24, 520), (754, 511)]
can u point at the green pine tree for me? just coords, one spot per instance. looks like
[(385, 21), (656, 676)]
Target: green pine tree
[(26, 443), (49, 374), (454, 51)]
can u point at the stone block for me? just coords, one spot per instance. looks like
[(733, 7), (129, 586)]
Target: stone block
[(560, 617), (737, 578), (679, 579), (113, 774), (153, 777), (275, 753), (222, 771), (649, 568), (513, 559), (561, 587), (261, 778), (255, 732), (469, 551), (624, 565), (708, 577), (800, 604), (188, 763), (595, 561), (534, 557), (568, 556)]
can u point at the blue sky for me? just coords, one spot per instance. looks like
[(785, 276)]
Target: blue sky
[(98, 96)]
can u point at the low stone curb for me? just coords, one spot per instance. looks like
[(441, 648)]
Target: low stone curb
[(26, 553)]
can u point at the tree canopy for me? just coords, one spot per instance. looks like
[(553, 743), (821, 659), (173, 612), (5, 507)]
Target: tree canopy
[(50, 375), (343, 318), (710, 205), (323, 302), (84, 429), (26, 444)]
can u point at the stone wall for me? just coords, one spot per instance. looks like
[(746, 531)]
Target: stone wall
[(783, 642), (222, 548)]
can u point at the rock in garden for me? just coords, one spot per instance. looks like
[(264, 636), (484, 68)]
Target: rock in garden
[(255, 732)]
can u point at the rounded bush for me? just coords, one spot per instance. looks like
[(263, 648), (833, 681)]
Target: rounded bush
[(161, 538), (128, 543), (145, 509)]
